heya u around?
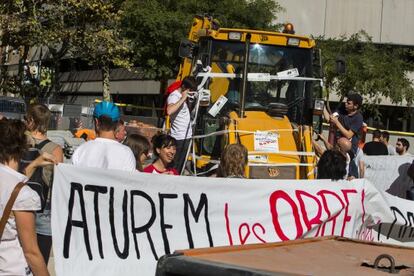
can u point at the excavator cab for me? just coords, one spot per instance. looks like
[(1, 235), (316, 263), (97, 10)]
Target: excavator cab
[(270, 109)]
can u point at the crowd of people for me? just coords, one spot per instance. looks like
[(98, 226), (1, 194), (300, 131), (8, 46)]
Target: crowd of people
[(341, 158), (25, 235), (26, 239)]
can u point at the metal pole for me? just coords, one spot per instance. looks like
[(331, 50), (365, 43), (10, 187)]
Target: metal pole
[(245, 72)]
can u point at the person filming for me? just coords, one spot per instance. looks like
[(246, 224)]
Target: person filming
[(179, 113)]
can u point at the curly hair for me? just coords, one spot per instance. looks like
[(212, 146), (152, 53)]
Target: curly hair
[(38, 117), (13, 141), (139, 145), (332, 165), (233, 161)]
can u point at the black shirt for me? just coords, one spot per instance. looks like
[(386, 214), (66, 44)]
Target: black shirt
[(353, 122), (375, 148)]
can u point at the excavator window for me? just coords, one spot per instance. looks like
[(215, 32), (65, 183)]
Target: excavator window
[(227, 57)]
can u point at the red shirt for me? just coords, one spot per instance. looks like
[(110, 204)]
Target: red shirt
[(152, 169)]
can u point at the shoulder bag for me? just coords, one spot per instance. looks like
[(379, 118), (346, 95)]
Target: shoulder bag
[(9, 206)]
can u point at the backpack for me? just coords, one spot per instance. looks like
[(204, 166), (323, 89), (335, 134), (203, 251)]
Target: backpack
[(37, 181)]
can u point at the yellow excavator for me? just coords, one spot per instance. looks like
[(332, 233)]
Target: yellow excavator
[(258, 88)]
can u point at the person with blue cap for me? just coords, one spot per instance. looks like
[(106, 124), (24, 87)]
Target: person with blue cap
[(105, 151)]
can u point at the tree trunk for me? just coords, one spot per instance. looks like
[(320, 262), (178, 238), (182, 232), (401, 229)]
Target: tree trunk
[(21, 71), (163, 85), (105, 83), (55, 84), (4, 70)]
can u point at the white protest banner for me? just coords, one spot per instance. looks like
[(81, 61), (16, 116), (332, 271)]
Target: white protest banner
[(118, 223), (389, 173)]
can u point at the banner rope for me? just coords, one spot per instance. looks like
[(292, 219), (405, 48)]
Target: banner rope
[(257, 164)]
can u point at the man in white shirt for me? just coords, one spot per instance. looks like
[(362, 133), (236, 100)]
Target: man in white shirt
[(179, 113), (105, 151)]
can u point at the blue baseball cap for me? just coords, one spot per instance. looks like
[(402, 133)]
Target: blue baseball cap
[(107, 109)]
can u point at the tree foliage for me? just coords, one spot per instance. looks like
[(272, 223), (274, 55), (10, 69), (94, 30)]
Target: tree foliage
[(90, 30), (20, 29), (372, 70), (98, 37), (156, 27), (85, 29)]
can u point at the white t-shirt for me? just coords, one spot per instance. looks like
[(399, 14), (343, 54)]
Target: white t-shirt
[(180, 120), (391, 150), (12, 259), (106, 154), (348, 161)]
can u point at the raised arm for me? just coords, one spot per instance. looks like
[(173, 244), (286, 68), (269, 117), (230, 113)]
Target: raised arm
[(326, 114), (43, 160), (345, 132), (173, 107)]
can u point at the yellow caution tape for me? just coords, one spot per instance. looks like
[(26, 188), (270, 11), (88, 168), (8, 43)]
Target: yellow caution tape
[(394, 132)]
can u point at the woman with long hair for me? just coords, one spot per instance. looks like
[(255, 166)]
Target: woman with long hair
[(37, 123), (140, 148), (233, 161), (19, 250), (165, 148)]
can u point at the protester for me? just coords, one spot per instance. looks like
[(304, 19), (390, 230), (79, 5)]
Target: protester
[(120, 131), (385, 138), (402, 146), (331, 165), (19, 250), (349, 125), (165, 149), (179, 113), (375, 147), (140, 148), (410, 190), (37, 122), (233, 161), (345, 147), (105, 151)]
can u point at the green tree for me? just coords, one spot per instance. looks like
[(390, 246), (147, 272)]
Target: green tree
[(20, 29), (156, 27), (98, 39), (372, 70), (85, 29)]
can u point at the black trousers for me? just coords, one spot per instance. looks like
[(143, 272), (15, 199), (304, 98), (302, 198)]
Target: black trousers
[(179, 159), (45, 244)]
